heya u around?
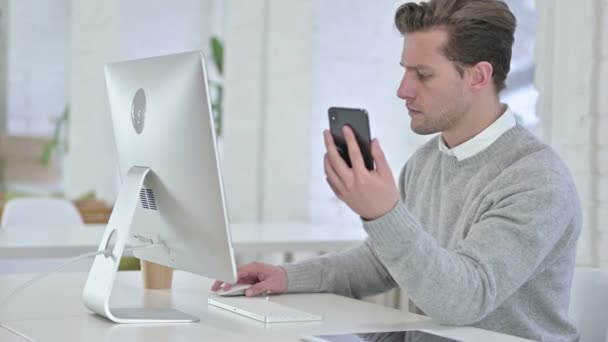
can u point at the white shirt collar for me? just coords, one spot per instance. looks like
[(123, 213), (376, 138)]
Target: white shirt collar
[(482, 140)]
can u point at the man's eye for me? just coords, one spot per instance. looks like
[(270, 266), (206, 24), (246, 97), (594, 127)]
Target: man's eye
[(423, 77)]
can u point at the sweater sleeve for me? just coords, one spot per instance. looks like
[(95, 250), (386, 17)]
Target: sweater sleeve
[(500, 253), (355, 272)]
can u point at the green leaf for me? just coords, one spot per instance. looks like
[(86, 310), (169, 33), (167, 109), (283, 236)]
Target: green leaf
[(217, 54), (89, 195), (51, 146), (48, 151)]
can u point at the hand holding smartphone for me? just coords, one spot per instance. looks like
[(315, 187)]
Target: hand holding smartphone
[(357, 120)]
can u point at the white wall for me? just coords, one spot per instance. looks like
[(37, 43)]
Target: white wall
[(158, 27), (572, 78), (37, 65), (89, 164), (357, 51), (107, 31), (268, 86), (3, 62)]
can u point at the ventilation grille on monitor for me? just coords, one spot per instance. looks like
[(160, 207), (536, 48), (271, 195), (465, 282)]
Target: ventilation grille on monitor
[(146, 197)]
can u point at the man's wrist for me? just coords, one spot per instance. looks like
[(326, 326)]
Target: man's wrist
[(375, 217)]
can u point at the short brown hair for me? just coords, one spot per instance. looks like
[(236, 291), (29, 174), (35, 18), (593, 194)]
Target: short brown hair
[(478, 30)]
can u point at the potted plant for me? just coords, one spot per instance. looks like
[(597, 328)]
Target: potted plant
[(217, 57)]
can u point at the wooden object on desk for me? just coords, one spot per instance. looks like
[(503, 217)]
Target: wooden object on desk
[(21, 161), (94, 211), (155, 276)]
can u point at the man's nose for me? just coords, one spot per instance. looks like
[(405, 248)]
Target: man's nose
[(405, 90)]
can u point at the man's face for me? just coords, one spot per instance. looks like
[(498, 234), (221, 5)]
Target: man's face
[(436, 94)]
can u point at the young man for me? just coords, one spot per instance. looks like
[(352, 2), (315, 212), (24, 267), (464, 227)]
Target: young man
[(482, 227)]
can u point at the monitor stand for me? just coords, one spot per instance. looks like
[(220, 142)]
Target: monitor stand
[(98, 288)]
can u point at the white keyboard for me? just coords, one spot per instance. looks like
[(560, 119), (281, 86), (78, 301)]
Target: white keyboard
[(262, 310)]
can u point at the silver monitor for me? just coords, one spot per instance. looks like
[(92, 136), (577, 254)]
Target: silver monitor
[(171, 193)]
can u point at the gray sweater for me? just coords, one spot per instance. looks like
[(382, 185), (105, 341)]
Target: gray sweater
[(488, 241)]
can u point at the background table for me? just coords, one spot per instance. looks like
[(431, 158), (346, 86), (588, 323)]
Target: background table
[(62, 242)]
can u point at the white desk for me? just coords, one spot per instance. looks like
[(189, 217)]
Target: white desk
[(7, 336), (61, 242), (52, 310)]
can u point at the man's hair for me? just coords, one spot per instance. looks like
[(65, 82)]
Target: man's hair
[(478, 30)]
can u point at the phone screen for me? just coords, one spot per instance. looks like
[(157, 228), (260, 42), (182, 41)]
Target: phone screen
[(357, 120)]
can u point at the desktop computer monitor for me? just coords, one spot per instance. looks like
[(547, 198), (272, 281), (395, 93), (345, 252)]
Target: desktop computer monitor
[(171, 193)]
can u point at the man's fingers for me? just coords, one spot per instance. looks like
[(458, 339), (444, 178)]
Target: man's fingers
[(334, 156), (333, 188), (332, 177), (246, 274), (217, 285), (249, 270), (329, 140), (249, 279), (354, 152), (336, 162), (381, 163), (258, 289)]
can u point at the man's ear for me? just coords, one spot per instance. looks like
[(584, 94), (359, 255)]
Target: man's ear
[(481, 75)]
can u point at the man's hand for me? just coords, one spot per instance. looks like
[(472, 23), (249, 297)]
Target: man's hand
[(266, 279), (370, 194)]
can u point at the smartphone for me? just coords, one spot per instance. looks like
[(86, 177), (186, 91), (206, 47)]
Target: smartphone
[(357, 120)]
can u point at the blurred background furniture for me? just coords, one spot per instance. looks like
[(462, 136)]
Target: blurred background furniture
[(40, 211), (24, 213), (589, 303)]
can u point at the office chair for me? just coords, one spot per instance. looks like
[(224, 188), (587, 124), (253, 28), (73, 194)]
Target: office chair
[(589, 303), (40, 212)]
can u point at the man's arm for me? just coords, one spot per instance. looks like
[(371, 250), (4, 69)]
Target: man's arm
[(355, 272)]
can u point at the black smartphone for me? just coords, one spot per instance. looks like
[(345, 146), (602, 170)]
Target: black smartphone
[(357, 120)]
